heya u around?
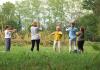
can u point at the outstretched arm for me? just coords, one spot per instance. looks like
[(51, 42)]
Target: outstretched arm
[(12, 30), (52, 33)]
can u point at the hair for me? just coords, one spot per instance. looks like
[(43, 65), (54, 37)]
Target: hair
[(82, 29), (7, 26), (34, 23), (73, 23), (58, 24)]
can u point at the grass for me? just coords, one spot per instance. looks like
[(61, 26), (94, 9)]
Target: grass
[(21, 58)]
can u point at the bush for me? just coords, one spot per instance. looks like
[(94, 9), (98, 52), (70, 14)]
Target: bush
[(2, 42), (90, 23)]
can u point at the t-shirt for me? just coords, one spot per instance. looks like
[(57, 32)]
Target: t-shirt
[(57, 35), (35, 33), (72, 32), (7, 34)]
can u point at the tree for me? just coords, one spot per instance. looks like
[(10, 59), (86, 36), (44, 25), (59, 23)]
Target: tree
[(2, 22), (8, 10), (28, 10), (90, 23), (8, 16), (93, 5)]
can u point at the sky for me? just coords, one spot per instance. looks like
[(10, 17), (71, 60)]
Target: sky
[(3, 1)]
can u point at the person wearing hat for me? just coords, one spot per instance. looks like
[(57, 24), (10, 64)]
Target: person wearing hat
[(35, 37), (72, 37)]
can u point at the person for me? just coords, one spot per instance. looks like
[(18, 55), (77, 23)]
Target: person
[(35, 37), (80, 40), (57, 38), (72, 37), (8, 31)]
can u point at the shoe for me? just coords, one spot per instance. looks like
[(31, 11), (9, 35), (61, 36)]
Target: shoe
[(32, 49), (75, 51)]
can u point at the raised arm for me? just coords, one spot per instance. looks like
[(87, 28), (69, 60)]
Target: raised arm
[(67, 29)]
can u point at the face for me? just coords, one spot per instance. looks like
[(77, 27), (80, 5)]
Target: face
[(80, 29), (57, 28), (72, 25)]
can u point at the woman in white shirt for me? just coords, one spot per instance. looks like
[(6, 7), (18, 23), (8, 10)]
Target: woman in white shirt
[(35, 37), (8, 31)]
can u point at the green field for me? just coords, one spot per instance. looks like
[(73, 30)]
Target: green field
[(21, 58)]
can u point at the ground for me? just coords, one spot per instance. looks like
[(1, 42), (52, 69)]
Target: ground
[(21, 58)]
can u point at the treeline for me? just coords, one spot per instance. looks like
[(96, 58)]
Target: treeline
[(91, 21), (50, 13)]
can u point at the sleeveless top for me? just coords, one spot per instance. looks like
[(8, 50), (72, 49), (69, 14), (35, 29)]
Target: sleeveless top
[(81, 36)]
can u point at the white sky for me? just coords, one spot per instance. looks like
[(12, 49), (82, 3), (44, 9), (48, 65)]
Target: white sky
[(12, 1)]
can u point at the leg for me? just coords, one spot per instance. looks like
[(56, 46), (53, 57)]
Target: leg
[(38, 42), (8, 44), (70, 45), (74, 42), (79, 46), (33, 44), (54, 45), (59, 46), (82, 46)]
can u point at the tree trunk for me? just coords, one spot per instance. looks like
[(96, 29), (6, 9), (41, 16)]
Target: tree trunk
[(2, 28)]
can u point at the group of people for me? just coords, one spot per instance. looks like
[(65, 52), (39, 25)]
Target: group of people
[(76, 38)]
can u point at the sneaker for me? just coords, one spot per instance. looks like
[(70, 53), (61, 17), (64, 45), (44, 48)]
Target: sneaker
[(31, 49), (75, 51)]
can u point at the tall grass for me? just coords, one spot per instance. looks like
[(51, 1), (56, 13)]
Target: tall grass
[(21, 58)]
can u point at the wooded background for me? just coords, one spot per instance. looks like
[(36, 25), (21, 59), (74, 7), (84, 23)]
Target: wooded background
[(49, 13)]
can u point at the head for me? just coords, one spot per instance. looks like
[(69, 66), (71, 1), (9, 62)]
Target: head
[(34, 23), (72, 23), (58, 28), (82, 29), (7, 27)]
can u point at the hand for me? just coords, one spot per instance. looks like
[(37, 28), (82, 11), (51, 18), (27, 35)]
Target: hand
[(77, 33)]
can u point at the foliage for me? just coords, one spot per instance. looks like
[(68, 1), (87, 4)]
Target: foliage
[(8, 16), (90, 23), (93, 5), (51, 13)]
